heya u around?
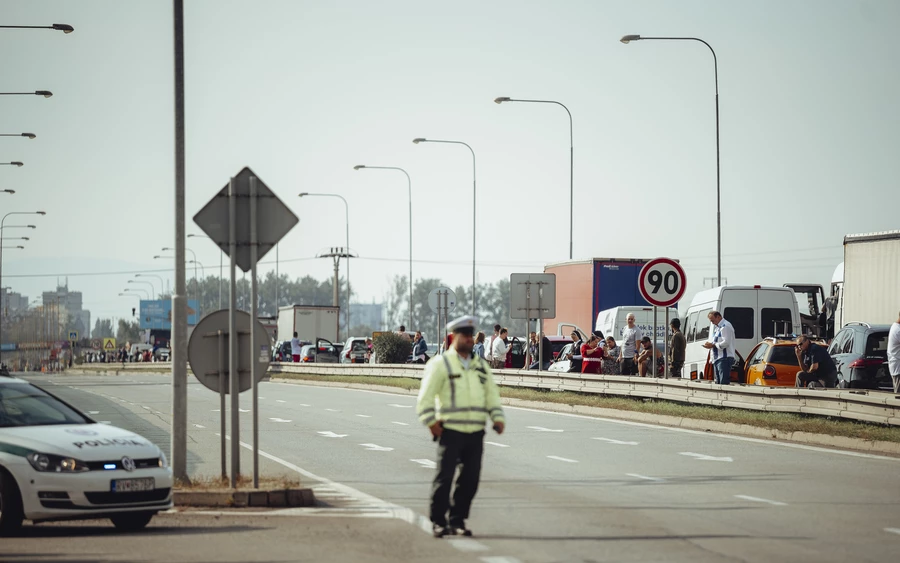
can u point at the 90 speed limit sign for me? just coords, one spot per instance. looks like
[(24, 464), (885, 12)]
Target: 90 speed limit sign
[(662, 282)]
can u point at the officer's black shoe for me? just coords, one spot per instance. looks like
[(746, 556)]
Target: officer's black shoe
[(460, 530), (440, 531)]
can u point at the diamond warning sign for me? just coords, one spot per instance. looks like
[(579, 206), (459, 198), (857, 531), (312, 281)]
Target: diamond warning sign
[(109, 343)]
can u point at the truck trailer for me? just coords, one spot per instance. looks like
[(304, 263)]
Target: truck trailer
[(871, 284), (310, 322)]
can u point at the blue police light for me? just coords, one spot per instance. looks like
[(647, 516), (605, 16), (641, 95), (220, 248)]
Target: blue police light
[(109, 466)]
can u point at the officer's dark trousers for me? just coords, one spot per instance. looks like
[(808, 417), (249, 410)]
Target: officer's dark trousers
[(465, 450)]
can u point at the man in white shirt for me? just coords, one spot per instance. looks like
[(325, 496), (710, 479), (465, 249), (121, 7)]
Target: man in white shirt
[(499, 350), (631, 336), (295, 348), (893, 354), (721, 342)]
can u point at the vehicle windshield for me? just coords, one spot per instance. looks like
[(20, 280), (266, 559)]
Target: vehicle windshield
[(27, 405)]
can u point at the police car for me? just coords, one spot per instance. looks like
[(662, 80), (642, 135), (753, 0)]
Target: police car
[(58, 464)]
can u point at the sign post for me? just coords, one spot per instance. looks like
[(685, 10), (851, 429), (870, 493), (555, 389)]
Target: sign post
[(533, 296), (231, 219), (441, 300), (662, 283)]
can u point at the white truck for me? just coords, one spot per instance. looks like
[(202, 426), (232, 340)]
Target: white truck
[(870, 291), (311, 323)]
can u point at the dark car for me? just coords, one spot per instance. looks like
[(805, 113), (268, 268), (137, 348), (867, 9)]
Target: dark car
[(281, 352), (859, 351)]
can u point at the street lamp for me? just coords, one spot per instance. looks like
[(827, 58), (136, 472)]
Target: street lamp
[(347, 226), (28, 135), (571, 159), (19, 247), (3, 226), (628, 39), (13, 163), (64, 27), (409, 185), (418, 140), (167, 249), (45, 93), (222, 254), (161, 283), (146, 293), (152, 290), (10, 191)]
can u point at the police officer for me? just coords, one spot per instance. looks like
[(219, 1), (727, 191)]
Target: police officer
[(458, 395)]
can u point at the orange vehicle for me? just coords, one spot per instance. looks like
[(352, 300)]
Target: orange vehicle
[(773, 363)]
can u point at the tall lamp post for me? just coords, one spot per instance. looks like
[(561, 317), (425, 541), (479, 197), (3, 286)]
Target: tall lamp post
[(13, 163), (26, 135), (409, 185), (2, 227), (146, 293), (474, 205), (44, 93), (162, 288), (628, 39), (347, 226), (221, 254), (152, 290), (571, 159), (64, 27)]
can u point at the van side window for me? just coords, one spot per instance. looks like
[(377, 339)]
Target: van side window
[(741, 318), (703, 325), (690, 328), (773, 322)]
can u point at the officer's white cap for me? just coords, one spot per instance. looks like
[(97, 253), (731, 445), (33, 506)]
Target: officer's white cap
[(463, 324)]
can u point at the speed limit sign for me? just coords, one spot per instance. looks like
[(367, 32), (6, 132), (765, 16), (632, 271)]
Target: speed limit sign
[(662, 282)]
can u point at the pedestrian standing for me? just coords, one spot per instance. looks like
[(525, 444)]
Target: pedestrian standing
[(490, 343), (574, 356), (592, 354), (458, 395), (676, 348), (295, 349), (499, 350), (631, 337), (532, 351), (611, 358), (478, 349), (721, 342), (893, 354)]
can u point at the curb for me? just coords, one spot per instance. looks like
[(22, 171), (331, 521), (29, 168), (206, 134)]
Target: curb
[(826, 440), (275, 498)]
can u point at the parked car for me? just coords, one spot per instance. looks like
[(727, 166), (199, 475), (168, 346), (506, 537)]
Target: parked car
[(355, 351), (772, 363), (322, 351), (563, 364), (859, 351), (57, 463), (162, 355)]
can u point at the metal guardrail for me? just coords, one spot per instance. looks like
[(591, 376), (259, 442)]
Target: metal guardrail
[(868, 406)]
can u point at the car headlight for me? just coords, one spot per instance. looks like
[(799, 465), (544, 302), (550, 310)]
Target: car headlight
[(50, 463), (163, 462)]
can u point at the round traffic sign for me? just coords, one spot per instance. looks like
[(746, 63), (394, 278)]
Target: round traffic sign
[(434, 303), (662, 282), (206, 356), (95, 344)]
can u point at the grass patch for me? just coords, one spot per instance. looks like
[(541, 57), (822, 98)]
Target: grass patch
[(216, 483), (785, 422)]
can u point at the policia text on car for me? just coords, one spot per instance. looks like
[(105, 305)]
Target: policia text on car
[(457, 397)]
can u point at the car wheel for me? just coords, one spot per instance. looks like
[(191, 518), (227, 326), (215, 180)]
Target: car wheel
[(11, 515), (131, 521)]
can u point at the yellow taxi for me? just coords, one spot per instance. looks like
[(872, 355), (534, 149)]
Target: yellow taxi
[(773, 363)]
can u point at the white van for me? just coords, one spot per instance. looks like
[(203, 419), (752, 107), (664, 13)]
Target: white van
[(756, 313), (611, 322)]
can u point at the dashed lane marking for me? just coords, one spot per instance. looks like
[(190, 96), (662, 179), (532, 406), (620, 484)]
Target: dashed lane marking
[(276, 419), (618, 442), (330, 434), (429, 463), (498, 444), (280, 401), (466, 545), (542, 429), (332, 410), (400, 423), (500, 559), (400, 406), (704, 457), (565, 459), (364, 416), (757, 499), (199, 426), (645, 477), (376, 448), (892, 530)]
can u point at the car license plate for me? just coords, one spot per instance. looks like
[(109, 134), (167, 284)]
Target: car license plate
[(132, 485)]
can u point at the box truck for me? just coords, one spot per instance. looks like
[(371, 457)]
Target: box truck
[(310, 322), (870, 291)]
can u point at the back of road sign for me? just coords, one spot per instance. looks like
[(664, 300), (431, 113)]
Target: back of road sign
[(208, 356)]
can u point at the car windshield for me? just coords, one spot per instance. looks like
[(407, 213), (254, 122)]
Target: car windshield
[(27, 405)]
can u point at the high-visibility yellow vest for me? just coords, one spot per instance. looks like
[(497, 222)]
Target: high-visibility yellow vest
[(462, 398)]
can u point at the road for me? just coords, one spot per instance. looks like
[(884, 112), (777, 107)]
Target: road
[(555, 487)]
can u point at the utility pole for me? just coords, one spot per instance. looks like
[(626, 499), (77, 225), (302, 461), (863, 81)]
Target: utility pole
[(338, 252)]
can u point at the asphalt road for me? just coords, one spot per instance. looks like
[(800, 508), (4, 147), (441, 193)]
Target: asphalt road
[(555, 487)]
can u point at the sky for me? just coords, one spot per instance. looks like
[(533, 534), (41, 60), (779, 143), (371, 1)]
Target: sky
[(302, 91)]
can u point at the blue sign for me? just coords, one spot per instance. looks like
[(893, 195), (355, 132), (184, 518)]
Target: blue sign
[(158, 314)]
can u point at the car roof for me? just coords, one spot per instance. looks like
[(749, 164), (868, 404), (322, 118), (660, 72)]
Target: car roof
[(5, 380)]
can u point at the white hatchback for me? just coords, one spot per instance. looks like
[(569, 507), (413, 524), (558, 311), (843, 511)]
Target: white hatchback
[(58, 464)]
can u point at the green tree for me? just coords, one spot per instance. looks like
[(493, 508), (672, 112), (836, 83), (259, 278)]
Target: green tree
[(103, 328), (128, 331)]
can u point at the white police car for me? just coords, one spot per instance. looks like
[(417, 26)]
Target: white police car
[(58, 464)]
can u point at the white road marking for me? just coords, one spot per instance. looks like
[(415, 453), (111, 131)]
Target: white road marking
[(500, 559), (619, 442), (567, 460), (376, 448), (467, 545), (429, 463), (400, 406), (645, 477), (542, 429), (892, 530), (400, 423), (215, 410), (199, 426), (93, 412), (332, 410), (280, 401), (279, 420), (704, 457), (330, 434), (244, 410), (261, 398), (303, 405), (498, 444), (364, 416), (757, 499)]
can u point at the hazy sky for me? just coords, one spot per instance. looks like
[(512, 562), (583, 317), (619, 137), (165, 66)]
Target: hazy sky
[(301, 91)]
